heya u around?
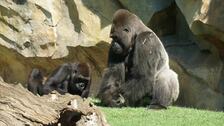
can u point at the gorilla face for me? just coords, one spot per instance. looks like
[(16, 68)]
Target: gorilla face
[(80, 79), (121, 38), (81, 86), (80, 83)]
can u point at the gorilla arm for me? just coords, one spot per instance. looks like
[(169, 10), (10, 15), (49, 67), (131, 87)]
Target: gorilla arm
[(58, 80), (85, 92), (147, 59), (113, 78)]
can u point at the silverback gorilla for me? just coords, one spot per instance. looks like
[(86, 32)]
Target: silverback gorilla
[(146, 66), (73, 78)]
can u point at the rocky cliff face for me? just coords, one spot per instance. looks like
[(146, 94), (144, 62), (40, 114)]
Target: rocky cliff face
[(46, 33)]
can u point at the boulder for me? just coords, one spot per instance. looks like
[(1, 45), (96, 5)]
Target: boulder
[(205, 19)]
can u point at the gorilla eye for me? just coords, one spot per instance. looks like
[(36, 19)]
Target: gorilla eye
[(126, 30)]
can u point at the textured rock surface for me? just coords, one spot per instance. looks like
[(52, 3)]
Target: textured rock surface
[(45, 28), (206, 20), (39, 28), (78, 30), (15, 68), (145, 8)]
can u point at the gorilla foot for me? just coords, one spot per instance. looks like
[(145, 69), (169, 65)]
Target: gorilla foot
[(118, 102)]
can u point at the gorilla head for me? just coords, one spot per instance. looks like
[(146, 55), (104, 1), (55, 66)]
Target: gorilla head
[(80, 80), (125, 28), (36, 74)]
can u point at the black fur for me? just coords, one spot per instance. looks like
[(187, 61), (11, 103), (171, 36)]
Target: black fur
[(80, 80), (73, 78), (35, 82), (146, 63), (109, 92), (59, 79)]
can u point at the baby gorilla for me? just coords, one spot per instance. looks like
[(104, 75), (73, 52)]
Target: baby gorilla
[(73, 78), (80, 80)]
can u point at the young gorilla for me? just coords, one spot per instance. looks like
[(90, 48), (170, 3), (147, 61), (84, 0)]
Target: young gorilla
[(73, 78), (68, 78), (146, 64), (35, 82), (80, 80)]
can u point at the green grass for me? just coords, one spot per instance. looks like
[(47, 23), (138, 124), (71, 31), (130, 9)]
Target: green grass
[(174, 116)]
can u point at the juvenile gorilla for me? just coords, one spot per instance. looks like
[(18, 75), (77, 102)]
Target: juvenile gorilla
[(35, 82), (146, 63), (80, 80), (73, 78)]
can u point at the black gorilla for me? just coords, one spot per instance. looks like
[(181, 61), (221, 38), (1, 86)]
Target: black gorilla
[(80, 80), (146, 70), (35, 82), (73, 78)]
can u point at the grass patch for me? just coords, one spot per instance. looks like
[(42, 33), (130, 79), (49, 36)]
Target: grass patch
[(174, 116)]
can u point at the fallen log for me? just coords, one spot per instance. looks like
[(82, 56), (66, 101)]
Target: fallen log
[(19, 107)]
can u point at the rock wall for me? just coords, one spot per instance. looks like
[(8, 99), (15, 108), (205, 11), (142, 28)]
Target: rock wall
[(46, 33)]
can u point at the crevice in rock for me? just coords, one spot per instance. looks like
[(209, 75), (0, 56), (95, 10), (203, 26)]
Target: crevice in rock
[(10, 26), (164, 22), (211, 37), (21, 2), (11, 42), (74, 15), (9, 12), (171, 27), (45, 12)]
